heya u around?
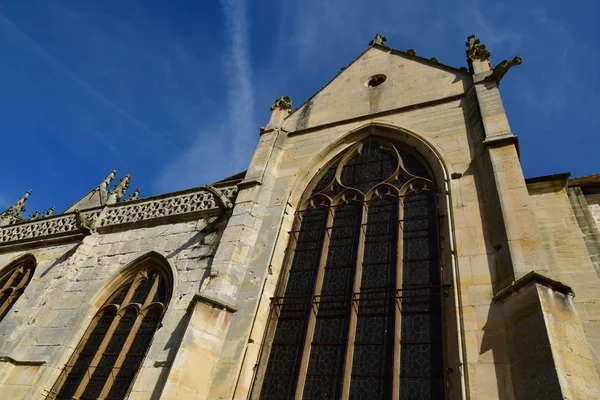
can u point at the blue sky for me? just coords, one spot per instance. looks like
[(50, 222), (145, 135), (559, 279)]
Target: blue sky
[(174, 92)]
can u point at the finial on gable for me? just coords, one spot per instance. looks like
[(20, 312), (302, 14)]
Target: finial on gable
[(476, 50), (118, 192), (134, 196), (478, 56), (282, 103), (281, 108), (380, 40), (108, 179), (39, 215), (96, 197), (12, 215)]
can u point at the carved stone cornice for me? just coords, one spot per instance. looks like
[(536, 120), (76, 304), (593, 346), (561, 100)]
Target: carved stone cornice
[(533, 277), (156, 209)]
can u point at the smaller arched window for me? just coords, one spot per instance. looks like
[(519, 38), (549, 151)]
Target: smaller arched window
[(111, 352), (13, 281)]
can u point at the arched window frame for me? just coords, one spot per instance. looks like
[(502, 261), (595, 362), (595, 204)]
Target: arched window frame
[(130, 277), (14, 279), (384, 190)]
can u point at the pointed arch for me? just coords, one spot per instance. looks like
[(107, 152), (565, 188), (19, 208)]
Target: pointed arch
[(110, 354), (426, 151), (358, 312), (14, 278)]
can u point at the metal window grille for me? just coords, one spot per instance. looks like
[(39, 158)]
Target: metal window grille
[(361, 313)]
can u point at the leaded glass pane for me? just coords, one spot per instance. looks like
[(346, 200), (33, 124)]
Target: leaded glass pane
[(12, 284), (374, 341), (143, 288), (370, 167), (328, 347), (421, 361), (109, 357), (375, 164), (326, 178), (293, 309), (135, 354), (103, 370), (76, 372)]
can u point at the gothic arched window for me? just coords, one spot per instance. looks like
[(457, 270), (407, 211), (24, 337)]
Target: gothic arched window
[(360, 314), (111, 352), (13, 281)]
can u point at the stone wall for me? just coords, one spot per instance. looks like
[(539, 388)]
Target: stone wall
[(39, 334), (569, 257)]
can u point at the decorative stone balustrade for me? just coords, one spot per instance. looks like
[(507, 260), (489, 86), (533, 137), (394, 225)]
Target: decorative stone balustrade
[(151, 208)]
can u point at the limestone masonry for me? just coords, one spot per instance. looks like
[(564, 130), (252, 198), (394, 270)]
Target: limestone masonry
[(383, 243)]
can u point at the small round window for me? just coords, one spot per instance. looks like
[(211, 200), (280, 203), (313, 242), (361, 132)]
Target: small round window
[(376, 80)]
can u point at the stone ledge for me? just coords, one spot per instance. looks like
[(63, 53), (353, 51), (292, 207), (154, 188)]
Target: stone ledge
[(212, 302), (501, 140), (530, 278), (505, 139), (12, 361), (399, 110), (245, 184)]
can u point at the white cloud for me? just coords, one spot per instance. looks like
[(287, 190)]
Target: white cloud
[(227, 144)]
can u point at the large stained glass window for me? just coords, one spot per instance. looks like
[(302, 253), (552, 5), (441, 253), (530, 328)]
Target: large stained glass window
[(13, 281), (111, 352), (360, 315)]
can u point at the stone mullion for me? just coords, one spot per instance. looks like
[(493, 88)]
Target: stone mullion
[(347, 374), (4, 306), (398, 302), (9, 283), (12, 278), (109, 333), (312, 319), (25, 278), (130, 338)]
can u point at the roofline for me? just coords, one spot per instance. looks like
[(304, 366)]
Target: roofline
[(563, 177), (585, 181), (461, 70)]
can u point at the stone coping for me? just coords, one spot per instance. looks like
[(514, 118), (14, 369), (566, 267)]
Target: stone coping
[(18, 362), (212, 302), (531, 278)]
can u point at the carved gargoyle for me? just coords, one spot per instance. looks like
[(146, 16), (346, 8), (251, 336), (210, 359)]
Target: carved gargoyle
[(476, 50), (83, 222), (501, 69), (282, 103), (380, 40)]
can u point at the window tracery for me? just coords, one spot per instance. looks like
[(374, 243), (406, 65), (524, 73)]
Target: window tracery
[(111, 352), (360, 315), (13, 282)]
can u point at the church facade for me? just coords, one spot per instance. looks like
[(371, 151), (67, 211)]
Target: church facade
[(382, 244)]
